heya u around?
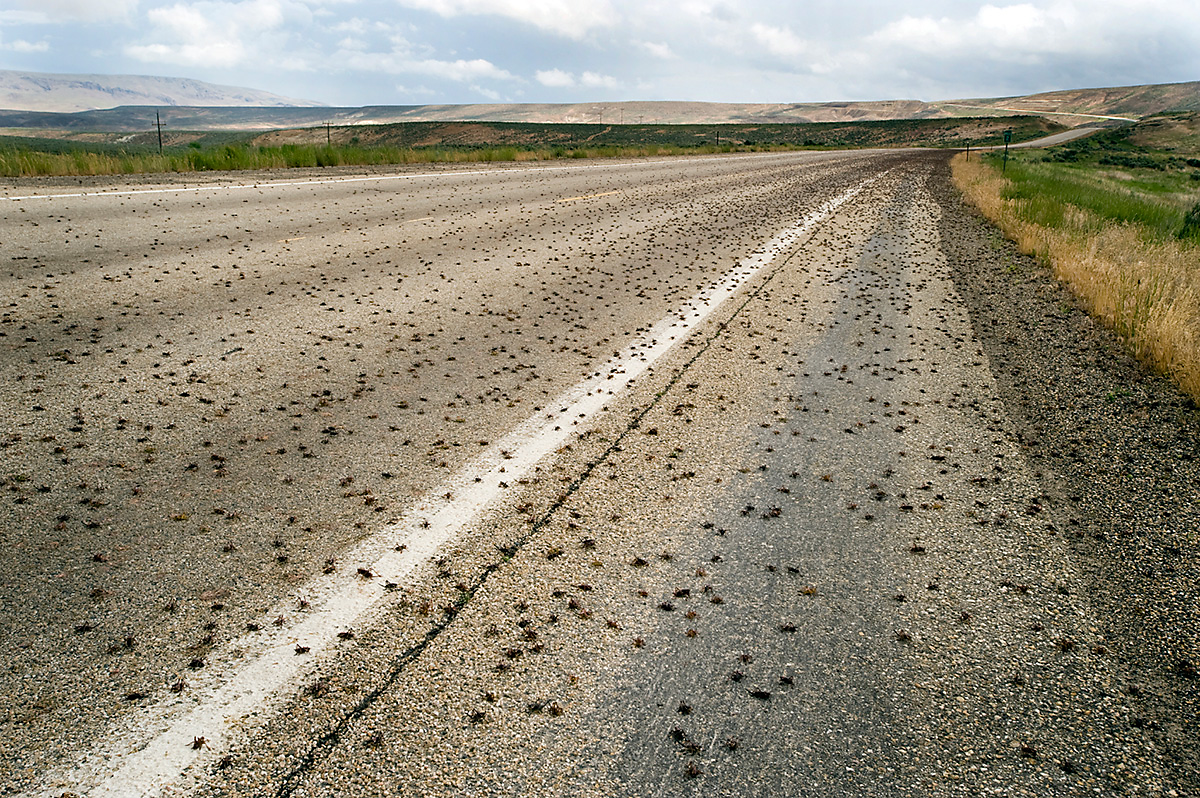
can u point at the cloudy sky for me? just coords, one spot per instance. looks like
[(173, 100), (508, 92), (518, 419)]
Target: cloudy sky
[(360, 52)]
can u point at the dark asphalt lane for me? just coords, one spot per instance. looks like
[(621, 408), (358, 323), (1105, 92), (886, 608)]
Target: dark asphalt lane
[(895, 620)]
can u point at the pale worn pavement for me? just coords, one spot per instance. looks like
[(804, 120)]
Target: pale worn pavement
[(803, 555)]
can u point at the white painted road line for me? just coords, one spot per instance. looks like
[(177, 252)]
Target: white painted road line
[(155, 754)]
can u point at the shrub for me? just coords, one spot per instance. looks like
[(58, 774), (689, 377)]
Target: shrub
[(1191, 225)]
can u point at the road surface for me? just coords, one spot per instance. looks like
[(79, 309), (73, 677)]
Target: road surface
[(645, 478)]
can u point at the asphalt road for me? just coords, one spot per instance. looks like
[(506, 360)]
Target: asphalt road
[(1057, 138), (307, 491)]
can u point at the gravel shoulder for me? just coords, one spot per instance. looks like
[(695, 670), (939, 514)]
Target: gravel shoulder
[(1118, 450)]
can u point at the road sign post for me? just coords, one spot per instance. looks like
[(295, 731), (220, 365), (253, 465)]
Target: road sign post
[(1007, 139)]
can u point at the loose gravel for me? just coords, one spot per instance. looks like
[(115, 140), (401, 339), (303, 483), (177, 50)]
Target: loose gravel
[(1117, 451), (901, 521)]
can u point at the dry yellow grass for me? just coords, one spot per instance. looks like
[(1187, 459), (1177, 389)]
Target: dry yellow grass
[(1146, 291)]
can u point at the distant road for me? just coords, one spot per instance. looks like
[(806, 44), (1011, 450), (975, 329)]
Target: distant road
[(1048, 141), (1038, 113), (1058, 138)]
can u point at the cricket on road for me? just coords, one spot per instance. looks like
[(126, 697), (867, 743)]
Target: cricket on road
[(750, 475)]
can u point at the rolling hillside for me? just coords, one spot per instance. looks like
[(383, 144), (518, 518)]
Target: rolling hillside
[(1132, 102), (41, 91), (117, 104)]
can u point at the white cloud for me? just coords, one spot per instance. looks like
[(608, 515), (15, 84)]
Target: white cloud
[(355, 25), (460, 70), (555, 78), (402, 62), (596, 80), (494, 96), (1020, 28), (658, 50), (1028, 46), (357, 50), (218, 33), (779, 41), (571, 18), (22, 46), (1053, 30), (413, 91), (560, 79), (66, 11)]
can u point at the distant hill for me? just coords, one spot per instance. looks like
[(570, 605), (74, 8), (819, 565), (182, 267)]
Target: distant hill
[(1132, 102), (43, 91), (667, 112), (133, 118), (129, 104)]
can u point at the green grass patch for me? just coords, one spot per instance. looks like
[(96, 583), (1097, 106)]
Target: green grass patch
[(1048, 188), (1109, 176)]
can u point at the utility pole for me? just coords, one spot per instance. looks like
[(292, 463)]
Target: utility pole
[(328, 134), (1007, 138), (158, 124)]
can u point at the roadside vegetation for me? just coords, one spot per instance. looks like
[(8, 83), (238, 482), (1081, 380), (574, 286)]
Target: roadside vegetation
[(1117, 216), (460, 142), (27, 161)]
